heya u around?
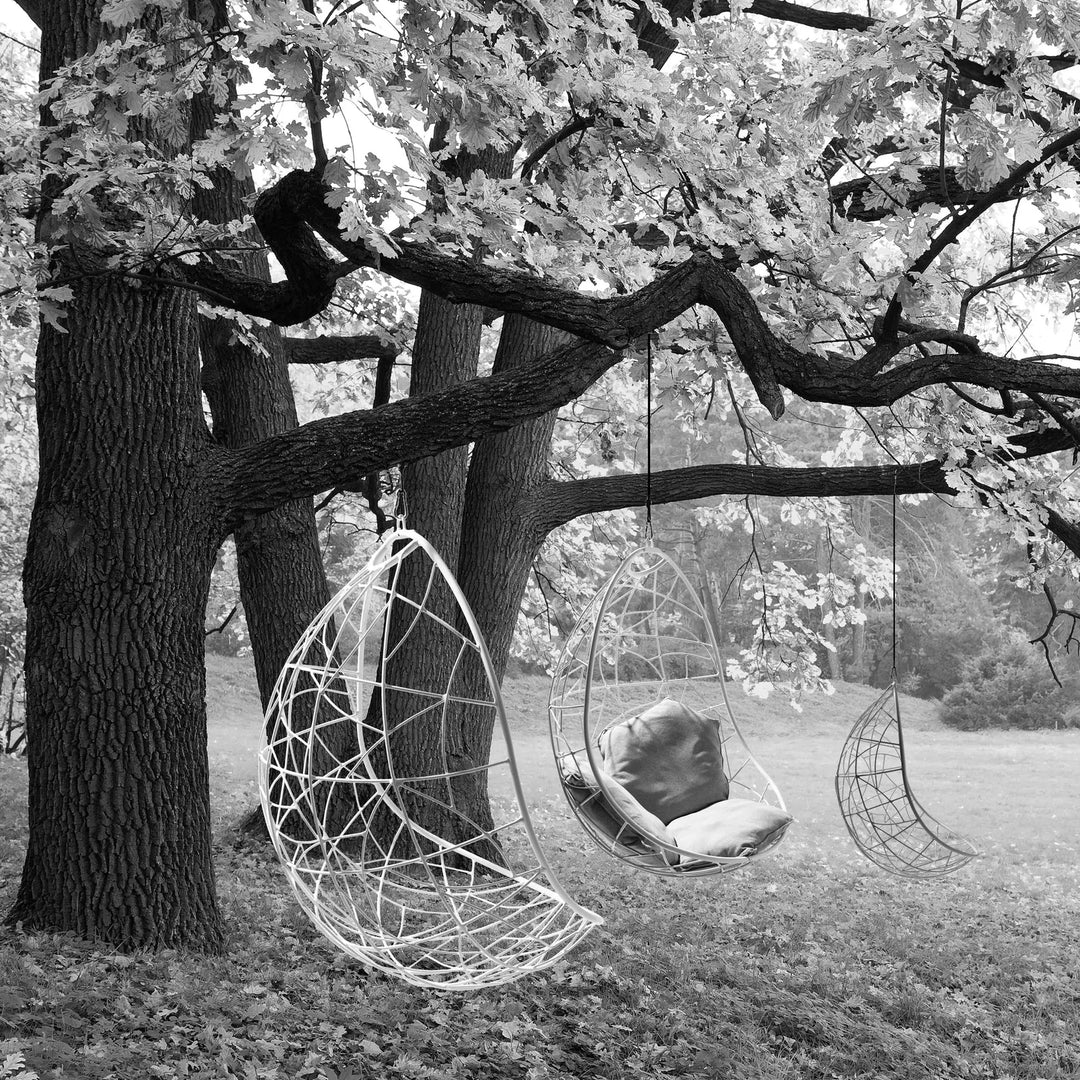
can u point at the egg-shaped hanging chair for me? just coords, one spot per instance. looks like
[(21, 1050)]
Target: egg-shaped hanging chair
[(391, 790), (649, 753), (887, 822)]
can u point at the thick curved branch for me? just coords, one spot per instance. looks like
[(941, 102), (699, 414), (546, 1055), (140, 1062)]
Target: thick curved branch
[(310, 275), (336, 349), (976, 368), (562, 501), (616, 322), (341, 450), (299, 199)]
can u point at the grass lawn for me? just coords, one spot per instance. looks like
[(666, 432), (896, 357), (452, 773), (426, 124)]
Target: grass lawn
[(811, 963)]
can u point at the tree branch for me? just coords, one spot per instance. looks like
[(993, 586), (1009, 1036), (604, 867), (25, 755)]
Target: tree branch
[(568, 130), (563, 500), (341, 450), (782, 11), (331, 349), (616, 322), (936, 186), (1004, 189)]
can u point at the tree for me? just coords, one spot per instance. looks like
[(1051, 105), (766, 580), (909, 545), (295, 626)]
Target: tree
[(788, 203)]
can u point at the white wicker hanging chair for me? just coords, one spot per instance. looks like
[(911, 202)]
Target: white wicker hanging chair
[(369, 788), (887, 822), (645, 637)]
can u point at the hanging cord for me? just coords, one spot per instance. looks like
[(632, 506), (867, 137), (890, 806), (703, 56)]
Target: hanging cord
[(648, 437), (894, 580), (401, 510)]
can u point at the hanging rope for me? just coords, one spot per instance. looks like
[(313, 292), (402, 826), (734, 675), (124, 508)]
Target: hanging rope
[(648, 437), (894, 580), (887, 822)]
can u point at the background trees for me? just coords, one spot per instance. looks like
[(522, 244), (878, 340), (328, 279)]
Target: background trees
[(788, 205)]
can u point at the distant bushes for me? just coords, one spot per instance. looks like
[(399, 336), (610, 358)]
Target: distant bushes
[(1008, 685)]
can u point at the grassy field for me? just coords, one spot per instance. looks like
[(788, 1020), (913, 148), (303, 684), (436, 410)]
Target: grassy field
[(809, 964)]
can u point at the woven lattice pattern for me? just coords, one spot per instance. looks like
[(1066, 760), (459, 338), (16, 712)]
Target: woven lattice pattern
[(647, 635), (888, 824), (407, 847)]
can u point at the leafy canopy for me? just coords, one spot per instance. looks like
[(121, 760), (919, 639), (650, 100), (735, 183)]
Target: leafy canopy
[(894, 194)]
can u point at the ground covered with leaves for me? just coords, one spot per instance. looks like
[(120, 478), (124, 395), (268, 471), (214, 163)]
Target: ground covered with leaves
[(810, 964)]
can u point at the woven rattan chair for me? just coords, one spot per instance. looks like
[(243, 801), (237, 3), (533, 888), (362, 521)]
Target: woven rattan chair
[(887, 822), (646, 636), (371, 796)]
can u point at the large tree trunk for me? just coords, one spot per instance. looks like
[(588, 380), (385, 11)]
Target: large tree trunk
[(279, 561), (445, 352), (500, 535), (117, 571), (499, 538)]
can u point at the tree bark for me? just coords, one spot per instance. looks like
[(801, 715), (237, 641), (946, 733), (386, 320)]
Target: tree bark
[(117, 571), (279, 560), (501, 526), (446, 352)]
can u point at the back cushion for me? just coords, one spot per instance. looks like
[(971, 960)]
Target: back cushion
[(669, 758)]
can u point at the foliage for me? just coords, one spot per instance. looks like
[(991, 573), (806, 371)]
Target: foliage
[(798, 153), (1007, 685), (226, 628)]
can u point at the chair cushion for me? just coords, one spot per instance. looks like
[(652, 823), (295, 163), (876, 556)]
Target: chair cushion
[(669, 758), (612, 809), (730, 828)]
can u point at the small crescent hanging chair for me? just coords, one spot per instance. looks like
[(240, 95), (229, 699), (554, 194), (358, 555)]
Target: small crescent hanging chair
[(650, 757), (887, 822), (401, 824)]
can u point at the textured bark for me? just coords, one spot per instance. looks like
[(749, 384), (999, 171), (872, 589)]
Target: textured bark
[(500, 530), (298, 201), (279, 560), (336, 349), (341, 450), (122, 540), (563, 501), (445, 352), (499, 540)]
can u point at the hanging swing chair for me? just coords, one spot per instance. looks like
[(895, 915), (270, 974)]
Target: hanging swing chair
[(650, 756), (376, 786), (887, 822)]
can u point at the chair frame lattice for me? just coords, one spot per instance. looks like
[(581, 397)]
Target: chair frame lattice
[(619, 633), (887, 822), (435, 910)]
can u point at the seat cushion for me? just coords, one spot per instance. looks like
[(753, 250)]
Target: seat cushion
[(612, 809), (669, 758), (730, 828)]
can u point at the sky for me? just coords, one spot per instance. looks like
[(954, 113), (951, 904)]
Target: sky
[(14, 22)]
